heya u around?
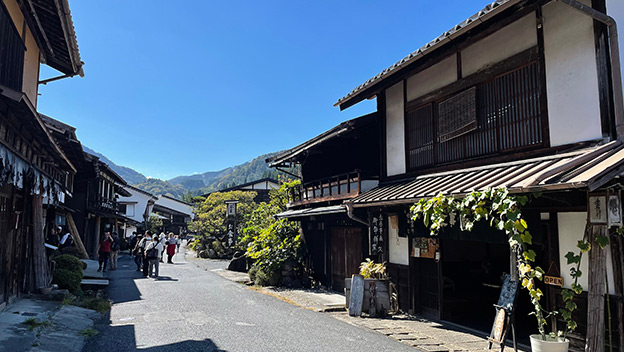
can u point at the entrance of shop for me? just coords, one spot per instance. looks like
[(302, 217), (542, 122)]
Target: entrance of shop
[(346, 254)]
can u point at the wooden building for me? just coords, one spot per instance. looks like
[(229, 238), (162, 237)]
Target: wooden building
[(34, 172), (525, 95), (262, 187), (137, 208), (175, 214), (337, 165), (92, 207)]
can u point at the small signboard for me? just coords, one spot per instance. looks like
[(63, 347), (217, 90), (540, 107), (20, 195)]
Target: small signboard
[(499, 325), (598, 209), (357, 295), (615, 211), (504, 313), (553, 280)]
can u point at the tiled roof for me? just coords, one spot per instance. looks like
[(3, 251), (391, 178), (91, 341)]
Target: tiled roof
[(587, 169), (479, 17)]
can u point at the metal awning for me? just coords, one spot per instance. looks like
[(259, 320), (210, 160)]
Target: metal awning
[(583, 169), (300, 213)]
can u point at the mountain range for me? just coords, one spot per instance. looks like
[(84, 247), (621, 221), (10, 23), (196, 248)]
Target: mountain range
[(192, 185)]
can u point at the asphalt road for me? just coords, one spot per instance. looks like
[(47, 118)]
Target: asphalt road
[(192, 309)]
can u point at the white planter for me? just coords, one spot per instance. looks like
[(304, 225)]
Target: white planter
[(557, 344)]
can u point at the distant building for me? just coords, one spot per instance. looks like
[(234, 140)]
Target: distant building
[(137, 207), (175, 214), (262, 187)]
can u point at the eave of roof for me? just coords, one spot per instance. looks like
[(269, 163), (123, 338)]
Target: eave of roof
[(582, 169), (485, 14), (247, 184), (332, 133), (56, 34)]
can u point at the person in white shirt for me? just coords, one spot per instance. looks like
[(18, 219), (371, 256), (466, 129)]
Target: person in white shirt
[(153, 255), (163, 243)]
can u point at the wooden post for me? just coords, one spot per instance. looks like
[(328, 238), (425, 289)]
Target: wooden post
[(40, 259), (77, 240), (96, 238), (617, 256), (596, 292)]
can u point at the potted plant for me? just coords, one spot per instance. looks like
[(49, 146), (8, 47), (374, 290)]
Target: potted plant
[(375, 275), (503, 212)]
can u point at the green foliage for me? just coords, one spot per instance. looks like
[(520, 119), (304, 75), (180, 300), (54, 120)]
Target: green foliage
[(33, 323), (272, 242), (154, 223), (211, 213), (68, 273), (68, 279), (371, 270), (195, 245), (69, 262), (160, 187), (98, 304), (503, 212)]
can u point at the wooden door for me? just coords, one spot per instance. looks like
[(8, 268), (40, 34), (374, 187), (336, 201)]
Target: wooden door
[(346, 254)]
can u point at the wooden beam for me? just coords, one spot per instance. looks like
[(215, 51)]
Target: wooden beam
[(76, 236)]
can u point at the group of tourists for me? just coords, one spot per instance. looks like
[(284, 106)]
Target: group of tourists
[(149, 250)]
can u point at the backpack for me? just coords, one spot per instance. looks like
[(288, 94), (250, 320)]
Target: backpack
[(115, 246), (152, 253)]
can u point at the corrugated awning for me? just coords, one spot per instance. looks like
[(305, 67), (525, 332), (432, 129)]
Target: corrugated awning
[(584, 169), (300, 213)]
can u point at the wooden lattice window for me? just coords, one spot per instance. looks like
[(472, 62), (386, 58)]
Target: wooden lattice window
[(500, 115)]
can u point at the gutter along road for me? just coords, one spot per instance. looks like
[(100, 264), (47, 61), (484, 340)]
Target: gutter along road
[(190, 309)]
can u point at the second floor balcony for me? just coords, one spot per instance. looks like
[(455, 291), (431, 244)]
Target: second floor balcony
[(338, 187), (104, 204), (12, 51)]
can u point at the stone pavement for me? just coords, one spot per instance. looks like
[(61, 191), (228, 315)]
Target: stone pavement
[(420, 333), (60, 327)]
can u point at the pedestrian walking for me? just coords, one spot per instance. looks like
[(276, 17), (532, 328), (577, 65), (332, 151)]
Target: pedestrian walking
[(132, 244), (178, 240), (138, 252), (163, 244), (115, 248), (153, 255), (104, 251), (144, 243), (171, 248)]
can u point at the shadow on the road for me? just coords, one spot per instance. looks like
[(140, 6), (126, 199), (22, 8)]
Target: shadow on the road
[(189, 345), (122, 285), (165, 278)]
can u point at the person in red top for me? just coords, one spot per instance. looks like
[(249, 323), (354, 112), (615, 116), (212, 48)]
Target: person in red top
[(104, 251)]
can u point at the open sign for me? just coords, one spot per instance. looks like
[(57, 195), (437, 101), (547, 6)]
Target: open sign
[(553, 280)]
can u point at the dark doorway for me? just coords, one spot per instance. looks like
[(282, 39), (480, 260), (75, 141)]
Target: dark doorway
[(346, 254)]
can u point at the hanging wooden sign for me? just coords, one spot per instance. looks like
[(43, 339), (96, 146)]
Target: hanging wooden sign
[(597, 207), (552, 276), (553, 280)]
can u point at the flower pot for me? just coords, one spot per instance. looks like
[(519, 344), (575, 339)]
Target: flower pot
[(557, 344)]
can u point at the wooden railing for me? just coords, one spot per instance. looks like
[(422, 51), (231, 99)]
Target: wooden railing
[(105, 204), (335, 187), (12, 52)]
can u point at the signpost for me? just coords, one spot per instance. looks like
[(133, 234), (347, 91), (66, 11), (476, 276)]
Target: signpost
[(231, 234)]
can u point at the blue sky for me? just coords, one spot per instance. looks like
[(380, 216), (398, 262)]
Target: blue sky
[(203, 85)]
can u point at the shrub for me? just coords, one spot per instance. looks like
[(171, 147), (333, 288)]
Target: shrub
[(68, 279), (267, 278), (73, 251), (69, 262), (218, 247), (252, 273)]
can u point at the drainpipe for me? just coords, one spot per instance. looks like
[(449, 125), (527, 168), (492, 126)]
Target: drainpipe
[(350, 214), (616, 75)]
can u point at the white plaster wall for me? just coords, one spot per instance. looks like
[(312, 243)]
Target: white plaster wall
[(175, 205), (397, 246), (395, 130), (140, 205), (31, 68), (571, 229), (504, 43), (437, 76), (571, 75), (615, 9)]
